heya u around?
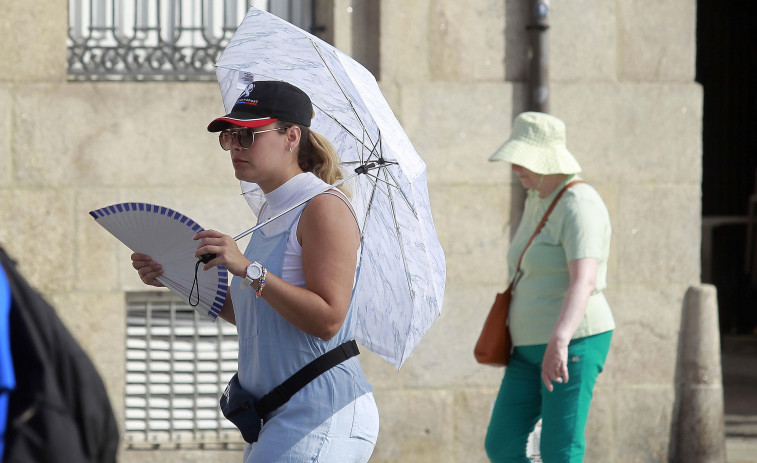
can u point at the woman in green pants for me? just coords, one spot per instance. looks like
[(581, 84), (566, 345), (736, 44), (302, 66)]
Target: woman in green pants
[(560, 321)]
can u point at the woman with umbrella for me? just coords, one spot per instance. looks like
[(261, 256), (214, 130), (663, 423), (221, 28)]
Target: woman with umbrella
[(560, 321), (292, 287)]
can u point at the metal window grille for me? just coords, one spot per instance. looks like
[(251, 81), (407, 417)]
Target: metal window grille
[(177, 367), (160, 39)]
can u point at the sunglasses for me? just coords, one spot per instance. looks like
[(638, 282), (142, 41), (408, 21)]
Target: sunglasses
[(245, 137)]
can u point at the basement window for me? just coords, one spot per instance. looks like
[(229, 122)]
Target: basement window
[(177, 366)]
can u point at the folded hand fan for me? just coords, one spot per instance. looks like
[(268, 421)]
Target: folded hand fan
[(166, 236)]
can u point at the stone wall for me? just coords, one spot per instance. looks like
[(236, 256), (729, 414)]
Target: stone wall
[(622, 79), (624, 85)]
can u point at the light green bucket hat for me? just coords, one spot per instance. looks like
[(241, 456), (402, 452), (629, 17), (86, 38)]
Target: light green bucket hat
[(538, 143)]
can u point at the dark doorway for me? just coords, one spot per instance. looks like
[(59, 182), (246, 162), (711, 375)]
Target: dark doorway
[(726, 69), (726, 64)]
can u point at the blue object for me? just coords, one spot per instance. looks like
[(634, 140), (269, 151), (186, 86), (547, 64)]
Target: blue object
[(7, 378), (325, 417)]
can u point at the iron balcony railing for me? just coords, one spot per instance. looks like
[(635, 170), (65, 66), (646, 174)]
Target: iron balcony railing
[(160, 39)]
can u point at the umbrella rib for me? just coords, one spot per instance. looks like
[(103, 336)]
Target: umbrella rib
[(402, 247), (407, 201), (377, 179), (362, 142), (384, 163), (373, 178), (395, 185), (372, 148), (370, 204), (357, 116)]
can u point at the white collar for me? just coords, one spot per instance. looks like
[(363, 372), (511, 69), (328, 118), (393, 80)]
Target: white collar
[(288, 193)]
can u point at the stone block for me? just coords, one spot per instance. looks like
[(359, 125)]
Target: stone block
[(740, 449), (600, 429), (652, 223), (6, 161), (380, 373), (643, 419), (404, 47), (37, 231), (473, 226), (98, 322), (343, 17), (444, 357), (656, 40), (658, 133), (96, 250), (127, 134), (416, 426), (467, 41), (650, 313), (589, 113), (582, 40), (633, 133), (34, 41), (456, 144), (610, 194), (472, 413), (392, 94)]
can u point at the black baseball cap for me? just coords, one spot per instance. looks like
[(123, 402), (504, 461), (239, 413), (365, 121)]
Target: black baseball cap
[(264, 102)]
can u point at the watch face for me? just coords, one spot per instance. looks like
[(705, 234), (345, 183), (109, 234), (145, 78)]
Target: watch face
[(254, 271)]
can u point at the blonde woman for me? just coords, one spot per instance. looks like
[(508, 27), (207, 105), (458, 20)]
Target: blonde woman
[(291, 291)]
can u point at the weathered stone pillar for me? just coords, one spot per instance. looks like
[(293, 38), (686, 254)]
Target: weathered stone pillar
[(700, 429)]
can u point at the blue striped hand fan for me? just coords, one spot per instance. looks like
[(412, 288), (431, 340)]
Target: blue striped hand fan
[(166, 236)]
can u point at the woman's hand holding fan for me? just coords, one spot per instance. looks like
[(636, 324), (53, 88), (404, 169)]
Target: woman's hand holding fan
[(148, 269), (165, 252)]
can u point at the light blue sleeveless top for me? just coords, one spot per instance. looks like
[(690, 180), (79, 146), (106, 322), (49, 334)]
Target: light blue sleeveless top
[(271, 349)]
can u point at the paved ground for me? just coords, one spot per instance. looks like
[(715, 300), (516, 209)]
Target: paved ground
[(739, 360)]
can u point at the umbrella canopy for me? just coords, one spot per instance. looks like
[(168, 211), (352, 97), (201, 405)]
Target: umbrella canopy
[(400, 283)]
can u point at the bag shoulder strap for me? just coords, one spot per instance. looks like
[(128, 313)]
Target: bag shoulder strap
[(284, 391), (541, 225)]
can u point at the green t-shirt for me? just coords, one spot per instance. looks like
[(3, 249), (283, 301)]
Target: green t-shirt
[(578, 227)]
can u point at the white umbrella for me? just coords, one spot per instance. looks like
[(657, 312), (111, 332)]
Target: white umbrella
[(400, 284)]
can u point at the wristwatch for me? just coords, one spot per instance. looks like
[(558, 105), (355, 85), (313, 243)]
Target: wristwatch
[(254, 272)]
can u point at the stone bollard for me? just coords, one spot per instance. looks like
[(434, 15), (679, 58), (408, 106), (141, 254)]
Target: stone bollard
[(700, 436)]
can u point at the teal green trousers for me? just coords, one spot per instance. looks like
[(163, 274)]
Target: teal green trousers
[(523, 399)]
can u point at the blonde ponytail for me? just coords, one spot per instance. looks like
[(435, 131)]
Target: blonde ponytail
[(324, 158), (317, 155)]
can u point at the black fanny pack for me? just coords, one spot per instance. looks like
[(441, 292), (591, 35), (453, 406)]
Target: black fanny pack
[(248, 414)]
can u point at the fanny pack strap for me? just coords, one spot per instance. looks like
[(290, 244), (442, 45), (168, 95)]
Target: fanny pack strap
[(284, 391)]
